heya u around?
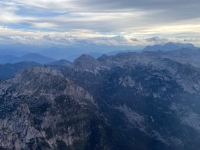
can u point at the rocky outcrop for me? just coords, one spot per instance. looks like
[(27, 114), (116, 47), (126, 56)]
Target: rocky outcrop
[(87, 63), (40, 108)]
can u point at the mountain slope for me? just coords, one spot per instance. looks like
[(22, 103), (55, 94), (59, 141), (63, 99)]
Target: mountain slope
[(92, 54), (185, 56), (151, 99), (41, 109), (7, 70), (31, 57), (86, 62), (60, 63), (4, 58)]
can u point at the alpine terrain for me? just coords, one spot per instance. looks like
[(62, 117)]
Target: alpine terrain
[(130, 101)]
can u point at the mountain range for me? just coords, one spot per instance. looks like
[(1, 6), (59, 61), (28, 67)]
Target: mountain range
[(27, 57), (60, 63), (48, 55), (7, 70), (139, 101), (170, 46)]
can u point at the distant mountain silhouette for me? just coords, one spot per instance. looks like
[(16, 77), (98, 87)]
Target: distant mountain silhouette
[(7, 70), (92, 54), (4, 58), (30, 57), (169, 47), (60, 63)]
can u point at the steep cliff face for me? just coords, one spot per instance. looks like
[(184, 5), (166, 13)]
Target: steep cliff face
[(42, 109)]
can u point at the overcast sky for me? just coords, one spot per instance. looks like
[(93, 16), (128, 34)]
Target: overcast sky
[(99, 22)]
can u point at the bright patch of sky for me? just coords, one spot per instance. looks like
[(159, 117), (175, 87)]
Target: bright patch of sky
[(94, 22)]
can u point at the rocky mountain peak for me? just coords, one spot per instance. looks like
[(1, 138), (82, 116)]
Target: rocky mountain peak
[(86, 63), (84, 58), (103, 57), (170, 46)]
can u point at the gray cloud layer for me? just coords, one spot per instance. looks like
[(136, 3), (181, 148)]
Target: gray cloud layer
[(94, 19)]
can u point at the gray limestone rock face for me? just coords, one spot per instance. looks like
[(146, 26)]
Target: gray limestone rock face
[(40, 107)]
